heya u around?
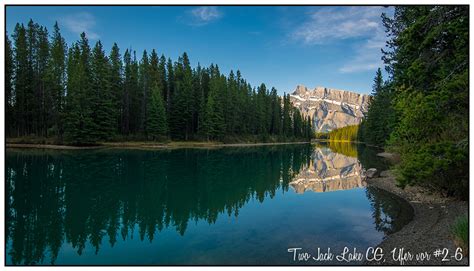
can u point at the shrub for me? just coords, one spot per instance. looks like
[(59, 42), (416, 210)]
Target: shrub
[(439, 166), (460, 231)]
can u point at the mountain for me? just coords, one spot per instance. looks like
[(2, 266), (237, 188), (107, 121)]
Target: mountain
[(330, 108), (329, 171)]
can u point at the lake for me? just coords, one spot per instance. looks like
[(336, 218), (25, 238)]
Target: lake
[(225, 206)]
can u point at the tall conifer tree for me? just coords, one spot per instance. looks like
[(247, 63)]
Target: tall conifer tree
[(22, 81), (116, 85), (9, 93), (156, 119), (56, 81), (102, 96)]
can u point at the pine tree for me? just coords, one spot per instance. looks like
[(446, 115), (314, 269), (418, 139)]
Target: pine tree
[(148, 77), (309, 129), (204, 89), (9, 92), (127, 85), (73, 117), (239, 105), (231, 104), (181, 109), (198, 98), (377, 125), (80, 127), (102, 96), (33, 97), (163, 77), (169, 86), (214, 122), (287, 129), (134, 90), (116, 85), (186, 96), (156, 119), (297, 123), (247, 111), (253, 106), (154, 73), (56, 81), (213, 119), (378, 83), (261, 110), (275, 113), (45, 99), (22, 81)]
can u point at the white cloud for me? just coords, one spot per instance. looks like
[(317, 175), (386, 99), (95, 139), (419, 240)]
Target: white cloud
[(367, 56), (204, 15), (81, 22), (331, 25)]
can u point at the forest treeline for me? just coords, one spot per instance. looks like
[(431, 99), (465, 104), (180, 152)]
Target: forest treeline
[(81, 95), (422, 110)]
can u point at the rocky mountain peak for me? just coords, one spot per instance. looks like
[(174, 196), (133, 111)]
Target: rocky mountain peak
[(330, 108), (300, 89)]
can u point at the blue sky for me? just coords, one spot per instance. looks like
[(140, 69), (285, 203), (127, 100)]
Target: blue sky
[(336, 47)]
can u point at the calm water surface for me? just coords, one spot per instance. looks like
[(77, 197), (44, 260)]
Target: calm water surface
[(192, 206)]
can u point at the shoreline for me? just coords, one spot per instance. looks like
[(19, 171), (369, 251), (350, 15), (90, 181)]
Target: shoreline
[(430, 228), (148, 145), (336, 141)]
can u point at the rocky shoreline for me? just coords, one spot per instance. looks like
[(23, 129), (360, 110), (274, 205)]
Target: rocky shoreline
[(430, 228)]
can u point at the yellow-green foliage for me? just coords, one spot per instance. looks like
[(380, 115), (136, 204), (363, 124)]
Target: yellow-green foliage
[(348, 133), (345, 148), (321, 135)]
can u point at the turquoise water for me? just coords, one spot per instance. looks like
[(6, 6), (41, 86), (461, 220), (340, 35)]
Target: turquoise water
[(190, 206)]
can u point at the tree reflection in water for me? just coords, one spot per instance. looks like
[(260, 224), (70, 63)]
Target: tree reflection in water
[(82, 198)]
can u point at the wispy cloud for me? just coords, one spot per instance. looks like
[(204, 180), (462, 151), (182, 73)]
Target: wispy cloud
[(331, 25), (367, 56), (204, 15), (328, 24), (81, 22)]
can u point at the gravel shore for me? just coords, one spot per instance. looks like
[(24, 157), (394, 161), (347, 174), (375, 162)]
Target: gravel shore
[(430, 228)]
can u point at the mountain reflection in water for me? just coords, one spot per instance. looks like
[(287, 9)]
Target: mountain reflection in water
[(221, 206), (329, 171)]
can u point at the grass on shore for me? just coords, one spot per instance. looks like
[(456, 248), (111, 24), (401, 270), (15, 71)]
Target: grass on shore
[(460, 231), (53, 143)]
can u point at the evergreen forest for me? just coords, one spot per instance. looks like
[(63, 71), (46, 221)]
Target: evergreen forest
[(80, 95), (421, 110)]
